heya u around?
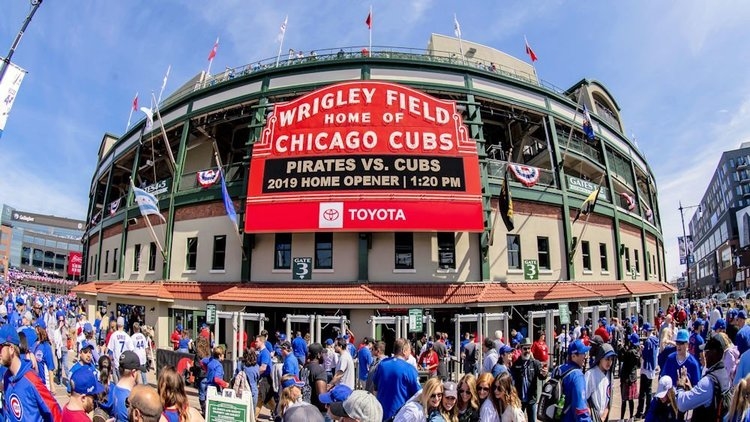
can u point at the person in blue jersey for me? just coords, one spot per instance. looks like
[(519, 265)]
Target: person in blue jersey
[(214, 375), (681, 359), (291, 364), (25, 398), (45, 360), (130, 372), (14, 318), (86, 359), (299, 347), (704, 396), (395, 380), (576, 408), (364, 357), (649, 352), (742, 338), (265, 386), (696, 340)]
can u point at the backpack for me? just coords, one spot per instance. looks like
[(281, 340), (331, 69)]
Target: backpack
[(550, 398), (304, 376), (240, 383), (721, 401)]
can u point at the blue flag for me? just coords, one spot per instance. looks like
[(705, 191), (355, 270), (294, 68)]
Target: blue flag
[(588, 129), (228, 204)]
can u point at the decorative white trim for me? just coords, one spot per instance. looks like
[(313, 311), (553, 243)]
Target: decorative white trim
[(513, 271), (545, 272), (446, 271), (587, 272), (189, 271), (404, 271), (217, 271), (605, 272), (323, 270)]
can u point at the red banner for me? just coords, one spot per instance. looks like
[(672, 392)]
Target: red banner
[(75, 261), (364, 156)]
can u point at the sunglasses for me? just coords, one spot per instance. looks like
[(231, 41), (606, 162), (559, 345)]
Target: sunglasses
[(526, 348), (464, 391), (436, 396), (483, 388)]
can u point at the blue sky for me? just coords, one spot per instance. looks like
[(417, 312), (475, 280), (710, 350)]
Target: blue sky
[(679, 71)]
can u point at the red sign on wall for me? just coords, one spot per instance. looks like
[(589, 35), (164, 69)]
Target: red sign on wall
[(75, 261), (364, 156)]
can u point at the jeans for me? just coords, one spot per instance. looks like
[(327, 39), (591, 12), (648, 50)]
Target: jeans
[(143, 378), (63, 367), (530, 410), (644, 395)]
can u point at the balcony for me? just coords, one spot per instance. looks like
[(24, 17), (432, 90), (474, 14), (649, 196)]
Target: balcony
[(580, 146), (744, 180), (741, 165), (496, 173)]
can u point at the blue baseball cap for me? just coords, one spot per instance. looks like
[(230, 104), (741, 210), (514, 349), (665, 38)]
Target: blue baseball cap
[(60, 315), (634, 339), (88, 328), (20, 301), (85, 382), (179, 327), (732, 313), (329, 342), (338, 393), (646, 326), (697, 323), (578, 348), (720, 324), (603, 321), (88, 344), (294, 381), (282, 337), (40, 323), (505, 349), (742, 314), (682, 336), (8, 335)]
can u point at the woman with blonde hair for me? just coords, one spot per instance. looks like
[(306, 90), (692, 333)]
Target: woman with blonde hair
[(507, 397), (171, 386), (484, 387), (738, 410), (468, 401), (290, 395), (424, 406), (663, 407)]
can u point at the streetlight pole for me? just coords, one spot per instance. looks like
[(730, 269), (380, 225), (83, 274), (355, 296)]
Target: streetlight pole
[(688, 252), (6, 60)]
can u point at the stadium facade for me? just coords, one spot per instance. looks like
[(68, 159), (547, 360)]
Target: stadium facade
[(369, 183)]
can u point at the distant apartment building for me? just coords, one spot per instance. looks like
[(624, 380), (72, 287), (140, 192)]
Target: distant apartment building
[(39, 243), (718, 264)]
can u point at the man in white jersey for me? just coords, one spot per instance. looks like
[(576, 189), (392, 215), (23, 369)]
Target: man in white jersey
[(119, 342), (140, 346)]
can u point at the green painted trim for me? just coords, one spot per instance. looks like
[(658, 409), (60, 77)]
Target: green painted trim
[(568, 264), (101, 225), (177, 178), (615, 216)]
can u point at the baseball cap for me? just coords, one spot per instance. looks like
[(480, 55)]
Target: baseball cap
[(505, 349), (40, 323), (85, 382), (120, 321), (20, 301), (179, 327), (282, 337), (665, 384), (697, 323), (577, 347), (360, 405), (303, 413), (606, 351), (741, 314), (286, 345), (129, 360), (682, 336), (339, 393), (450, 389), (292, 382), (716, 342), (8, 335), (646, 326), (603, 321), (87, 327), (329, 342), (720, 324), (88, 344), (634, 339), (732, 313)]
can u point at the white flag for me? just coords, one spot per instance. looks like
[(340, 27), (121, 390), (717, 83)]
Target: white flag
[(8, 90), (456, 27), (149, 118), (147, 203)]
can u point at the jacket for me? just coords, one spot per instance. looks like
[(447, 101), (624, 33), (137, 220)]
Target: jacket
[(574, 388), (526, 372), (25, 398)]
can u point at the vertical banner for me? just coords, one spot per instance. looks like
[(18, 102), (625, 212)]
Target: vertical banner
[(8, 89), (681, 245), (686, 249), (75, 261)]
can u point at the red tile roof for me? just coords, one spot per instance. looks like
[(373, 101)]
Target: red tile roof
[(193, 290), (91, 287), (149, 289), (290, 293)]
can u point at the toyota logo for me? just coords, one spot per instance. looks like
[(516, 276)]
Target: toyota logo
[(331, 214)]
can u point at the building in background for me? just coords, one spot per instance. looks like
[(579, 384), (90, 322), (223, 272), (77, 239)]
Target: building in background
[(43, 245), (714, 225), (368, 183)]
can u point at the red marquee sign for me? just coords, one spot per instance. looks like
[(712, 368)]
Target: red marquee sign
[(364, 156), (75, 261)]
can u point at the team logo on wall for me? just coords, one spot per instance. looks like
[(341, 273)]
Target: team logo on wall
[(331, 215)]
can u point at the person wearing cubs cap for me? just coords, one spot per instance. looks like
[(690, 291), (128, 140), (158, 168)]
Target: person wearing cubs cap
[(129, 367), (681, 360), (85, 389), (573, 383), (25, 397), (702, 397), (360, 406)]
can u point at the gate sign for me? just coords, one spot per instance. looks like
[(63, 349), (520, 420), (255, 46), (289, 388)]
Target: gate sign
[(415, 320), (364, 156), (564, 313), (210, 314), (530, 269), (75, 261), (302, 268)]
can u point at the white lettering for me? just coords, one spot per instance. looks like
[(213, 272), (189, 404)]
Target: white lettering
[(377, 214)]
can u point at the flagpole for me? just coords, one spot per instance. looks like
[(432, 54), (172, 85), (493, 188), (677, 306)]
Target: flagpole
[(148, 223), (163, 85), (458, 34), (370, 30), (281, 43), (570, 134), (172, 162), (131, 112)]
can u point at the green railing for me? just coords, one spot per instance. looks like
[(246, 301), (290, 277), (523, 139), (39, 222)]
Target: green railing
[(496, 172)]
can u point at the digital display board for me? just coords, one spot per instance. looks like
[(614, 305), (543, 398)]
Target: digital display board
[(364, 156)]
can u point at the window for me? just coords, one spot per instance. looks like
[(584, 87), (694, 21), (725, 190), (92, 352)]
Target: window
[(137, 258), (220, 252), (283, 251), (446, 243), (603, 256), (324, 251), (106, 262), (586, 255), (648, 262), (152, 257), (542, 247), (404, 248), (637, 261), (514, 251), (191, 254), (627, 260), (114, 261)]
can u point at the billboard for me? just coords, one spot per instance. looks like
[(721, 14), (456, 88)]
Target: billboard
[(364, 156), (686, 248), (75, 261)]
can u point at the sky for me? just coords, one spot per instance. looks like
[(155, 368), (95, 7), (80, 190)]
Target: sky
[(678, 71)]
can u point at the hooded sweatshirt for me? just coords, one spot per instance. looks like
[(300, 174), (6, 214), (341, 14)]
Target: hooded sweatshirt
[(26, 398)]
